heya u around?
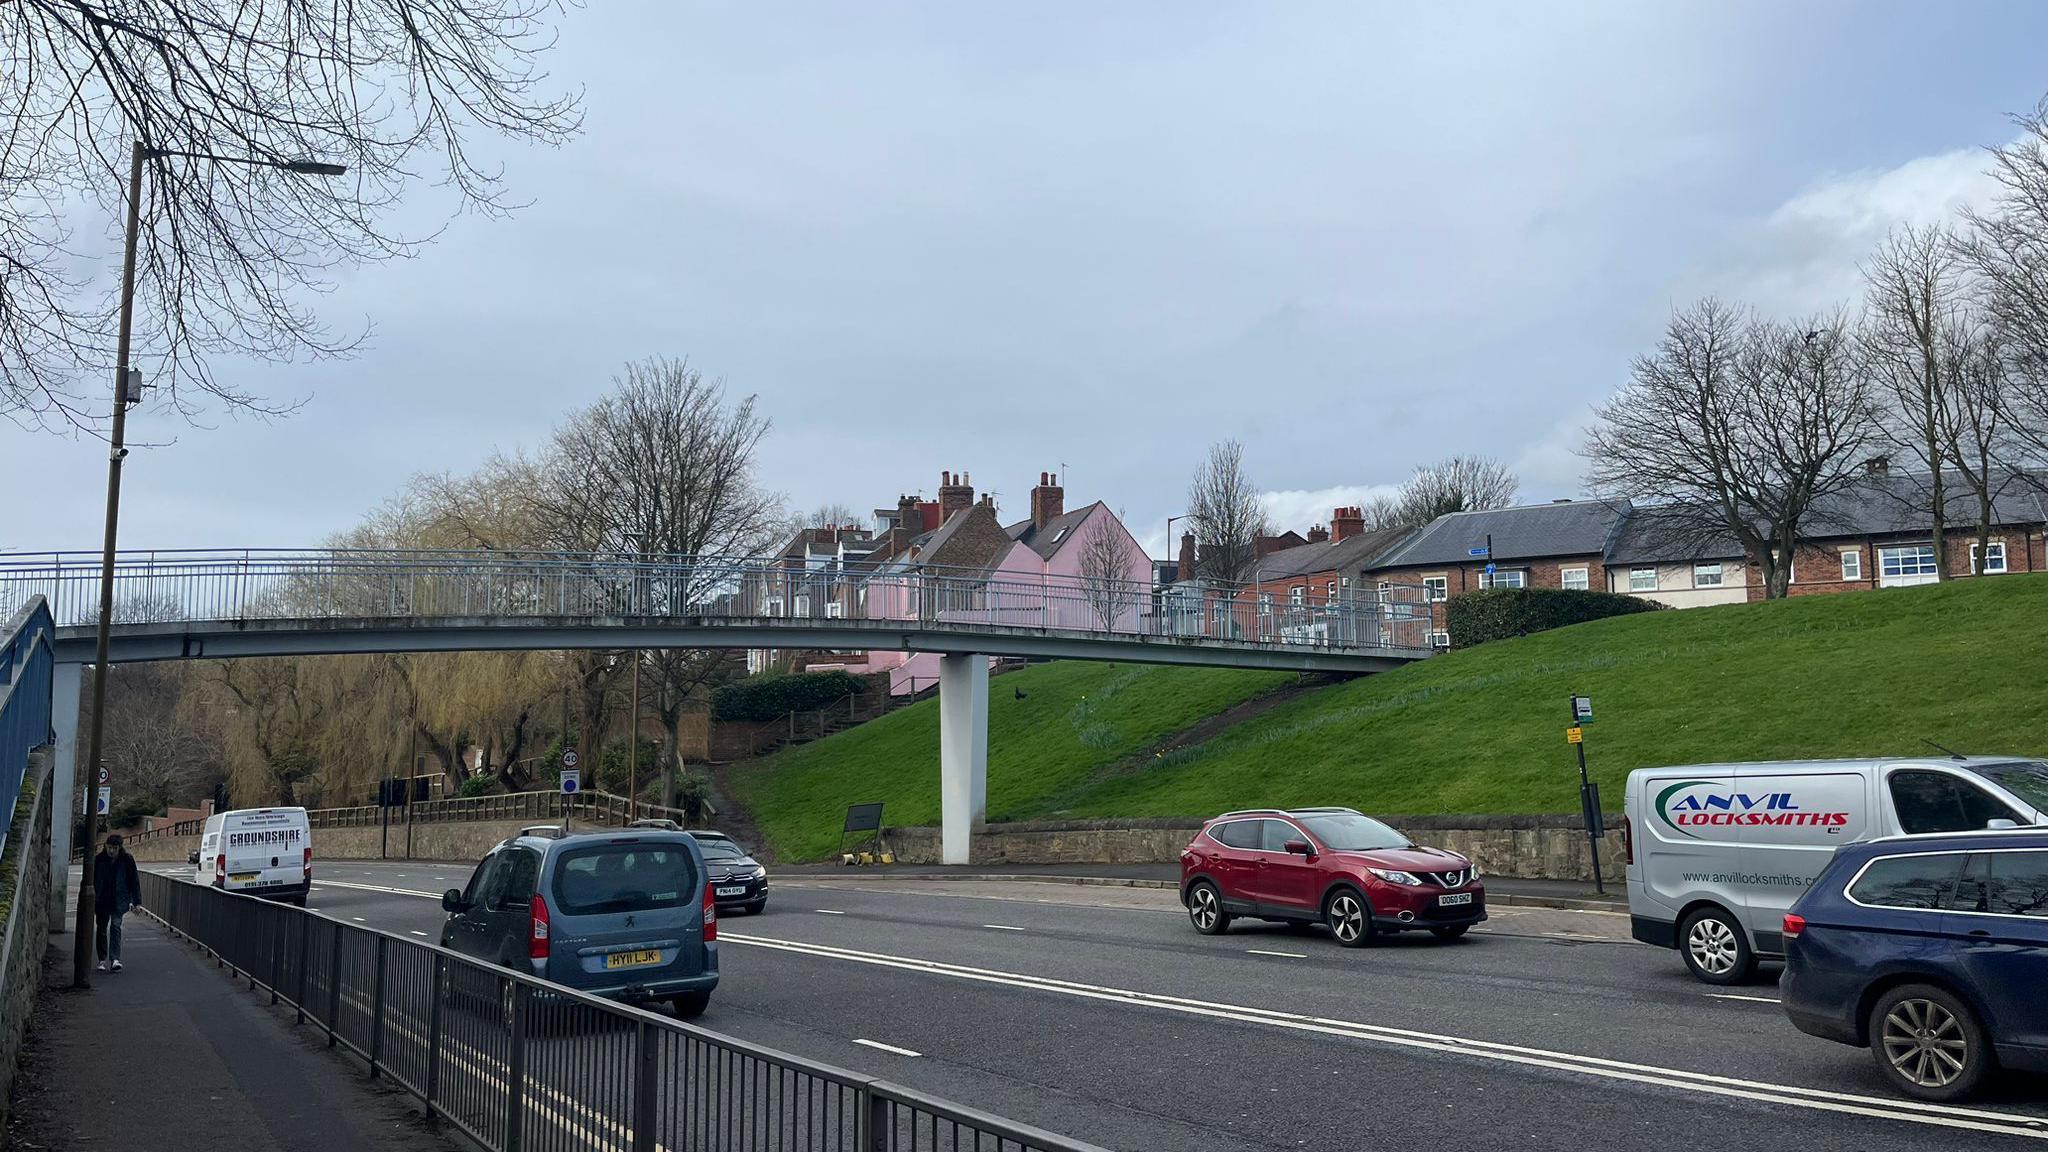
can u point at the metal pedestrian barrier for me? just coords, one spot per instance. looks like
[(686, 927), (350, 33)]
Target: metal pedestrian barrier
[(522, 1065)]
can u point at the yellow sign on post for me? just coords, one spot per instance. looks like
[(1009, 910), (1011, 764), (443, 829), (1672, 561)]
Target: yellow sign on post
[(1575, 735)]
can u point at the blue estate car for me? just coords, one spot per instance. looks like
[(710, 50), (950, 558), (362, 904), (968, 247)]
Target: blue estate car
[(1931, 951)]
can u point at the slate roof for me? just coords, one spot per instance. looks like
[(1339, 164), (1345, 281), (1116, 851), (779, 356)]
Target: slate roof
[(1351, 553), (1056, 534), (1533, 531)]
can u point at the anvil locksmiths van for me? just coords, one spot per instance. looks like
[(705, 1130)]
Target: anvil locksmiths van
[(261, 851), (1717, 852)]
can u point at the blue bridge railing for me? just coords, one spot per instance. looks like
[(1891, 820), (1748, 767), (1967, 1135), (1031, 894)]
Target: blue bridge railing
[(26, 659)]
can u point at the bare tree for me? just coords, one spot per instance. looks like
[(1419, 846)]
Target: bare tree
[(1383, 512), (1106, 579), (1737, 427), (393, 89), (1981, 440), (157, 751), (1226, 514), (1458, 484), (664, 466), (2007, 247), (1912, 304)]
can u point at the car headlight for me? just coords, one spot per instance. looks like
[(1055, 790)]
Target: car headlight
[(760, 873), (1472, 868), (1394, 876)]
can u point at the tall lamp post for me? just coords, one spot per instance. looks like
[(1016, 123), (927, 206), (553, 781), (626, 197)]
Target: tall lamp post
[(127, 391), (633, 705)]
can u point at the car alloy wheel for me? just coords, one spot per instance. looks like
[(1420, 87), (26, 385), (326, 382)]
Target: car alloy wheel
[(1347, 916), (1712, 945), (1925, 1044), (1205, 909)]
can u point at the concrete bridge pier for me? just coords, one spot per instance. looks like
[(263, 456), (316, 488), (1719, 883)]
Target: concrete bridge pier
[(65, 682), (963, 752)]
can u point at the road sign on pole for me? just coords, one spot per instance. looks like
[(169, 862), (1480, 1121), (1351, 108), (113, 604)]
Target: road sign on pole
[(106, 775), (569, 759), (1582, 710), (1475, 552), (106, 801), (572, 779), (1575, 735)]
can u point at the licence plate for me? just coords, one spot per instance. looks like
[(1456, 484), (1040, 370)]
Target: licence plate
[(632, 959), (242, 877), (1455, 898), (735, 890)]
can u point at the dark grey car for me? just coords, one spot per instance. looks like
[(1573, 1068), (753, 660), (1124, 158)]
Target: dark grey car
[(628, 915), (737, 879)]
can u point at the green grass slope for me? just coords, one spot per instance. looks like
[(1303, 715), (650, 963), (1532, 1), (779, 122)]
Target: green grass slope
[(1481, 731), (1075, 720), (1478, 731)]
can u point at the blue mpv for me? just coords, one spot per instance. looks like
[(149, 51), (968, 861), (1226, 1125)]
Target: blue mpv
[(1931, 951)]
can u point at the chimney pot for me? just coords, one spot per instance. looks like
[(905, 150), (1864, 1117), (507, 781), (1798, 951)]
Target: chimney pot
[(1048, 500)]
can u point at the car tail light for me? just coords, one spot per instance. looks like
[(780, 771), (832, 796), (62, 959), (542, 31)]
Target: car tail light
[(220, 870), (710, 914), (1628, 842), (1794, 925), (537, 941)]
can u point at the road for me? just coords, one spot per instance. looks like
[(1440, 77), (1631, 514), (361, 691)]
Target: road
[(1100, 1013)]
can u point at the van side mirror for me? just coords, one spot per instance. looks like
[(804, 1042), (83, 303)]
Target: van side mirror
[(452, 901), (1299, 848), (2000, 824)]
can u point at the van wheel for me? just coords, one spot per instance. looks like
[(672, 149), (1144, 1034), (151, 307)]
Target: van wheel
[(1928, 1043), (1715, 947), (1205, 909), (691, 1005)]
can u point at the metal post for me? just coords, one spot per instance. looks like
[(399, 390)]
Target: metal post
[(633, 745), (82, 930), (645, 1080), (434, 1030), (384, 836), (1585, 799), (377, 1007), (334, 988), (515, 1069), (305, 962), (870, 1121)]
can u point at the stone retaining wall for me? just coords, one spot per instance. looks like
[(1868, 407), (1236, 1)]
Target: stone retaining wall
[(463, 840), (26, 935), (1526, 847)]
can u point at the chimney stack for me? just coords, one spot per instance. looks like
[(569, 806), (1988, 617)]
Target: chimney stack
[(1318, 534), (1185, 570), (956, 492), (1347, 522), (1048, 500), (908, 526)]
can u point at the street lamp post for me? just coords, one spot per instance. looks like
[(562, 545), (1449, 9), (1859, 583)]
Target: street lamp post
[(126, 393), (633, 707)]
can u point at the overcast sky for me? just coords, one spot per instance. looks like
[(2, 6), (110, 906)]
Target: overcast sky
[(1008, 238)]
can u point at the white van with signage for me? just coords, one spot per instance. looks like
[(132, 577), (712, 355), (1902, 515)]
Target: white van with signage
[(1717, 853), (264, 852)]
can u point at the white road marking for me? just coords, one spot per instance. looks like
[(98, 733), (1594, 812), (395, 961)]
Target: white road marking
[(1882, 1108), (1751, 999), (417, 932), (359, 920), (888, 1047), (375, 888), (828, 911), (1289, 955), (1004, 927)]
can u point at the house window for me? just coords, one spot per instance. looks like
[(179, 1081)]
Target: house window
[(1994, 565), (1436, 588), (1906, 564), (1504, 578), (1439, 639), (1852, 566), (1298, 595), (1706, 575), (1642, 579), (1573, 579)]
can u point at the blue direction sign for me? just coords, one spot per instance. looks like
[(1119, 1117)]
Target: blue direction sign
[(1489, 568), (1476, 552)]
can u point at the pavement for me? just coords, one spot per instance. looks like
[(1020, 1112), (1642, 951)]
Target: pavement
[(172, 1055), (1097, 1011)]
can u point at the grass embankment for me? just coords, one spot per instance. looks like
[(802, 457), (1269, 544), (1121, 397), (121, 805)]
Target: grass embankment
[(1478, 731)]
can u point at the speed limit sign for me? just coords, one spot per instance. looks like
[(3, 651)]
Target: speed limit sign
[(569, 758)]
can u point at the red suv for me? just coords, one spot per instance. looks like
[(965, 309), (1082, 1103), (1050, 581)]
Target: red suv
[(1332, 865)]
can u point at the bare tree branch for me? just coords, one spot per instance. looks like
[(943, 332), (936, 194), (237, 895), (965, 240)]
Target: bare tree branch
[(1226, 514)]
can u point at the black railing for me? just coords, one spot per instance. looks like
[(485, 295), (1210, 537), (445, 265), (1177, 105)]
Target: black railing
[(522, 1065)]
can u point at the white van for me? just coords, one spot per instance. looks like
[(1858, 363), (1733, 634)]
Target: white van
[(1717, 853), (264, 852)]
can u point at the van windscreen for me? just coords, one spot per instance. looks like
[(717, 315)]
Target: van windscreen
[(2026, 779), (623, 878)]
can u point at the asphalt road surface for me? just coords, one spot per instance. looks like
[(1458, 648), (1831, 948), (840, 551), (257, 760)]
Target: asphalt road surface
[(1098, 1012)]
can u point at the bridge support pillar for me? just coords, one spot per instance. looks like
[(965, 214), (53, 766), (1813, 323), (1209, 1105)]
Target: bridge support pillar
[(963, 753), (65, 681)]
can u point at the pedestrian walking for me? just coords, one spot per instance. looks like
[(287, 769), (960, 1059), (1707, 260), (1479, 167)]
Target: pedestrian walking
[(116, 887)]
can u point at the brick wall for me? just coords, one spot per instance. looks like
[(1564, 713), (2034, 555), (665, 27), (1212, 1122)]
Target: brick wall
[(1462, 578), (1817, 566)]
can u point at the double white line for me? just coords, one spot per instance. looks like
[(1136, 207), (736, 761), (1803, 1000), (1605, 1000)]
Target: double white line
[(1882, 1108)]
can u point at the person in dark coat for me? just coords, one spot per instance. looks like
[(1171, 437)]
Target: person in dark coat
[(116, 887)]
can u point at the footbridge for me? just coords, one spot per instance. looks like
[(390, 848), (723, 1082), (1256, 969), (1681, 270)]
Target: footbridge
[(233, 603)]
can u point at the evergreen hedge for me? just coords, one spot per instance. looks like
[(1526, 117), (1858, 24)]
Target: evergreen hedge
[(775, 696), (1498, 613)]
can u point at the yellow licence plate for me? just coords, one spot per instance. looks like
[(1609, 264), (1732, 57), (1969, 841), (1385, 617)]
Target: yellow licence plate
[(243, 877), (631, 959)]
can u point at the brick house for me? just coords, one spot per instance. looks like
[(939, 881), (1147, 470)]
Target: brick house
[(1562, 544), (1876, 534), (1326, 566)]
